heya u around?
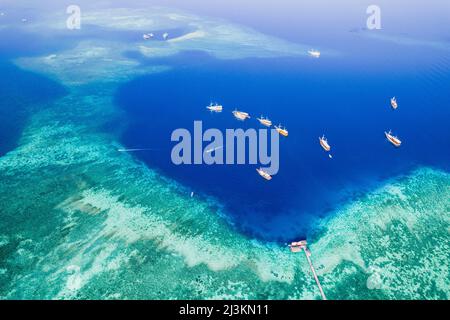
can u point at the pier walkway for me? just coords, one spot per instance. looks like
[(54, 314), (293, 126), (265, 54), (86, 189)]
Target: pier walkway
[(302, 246)]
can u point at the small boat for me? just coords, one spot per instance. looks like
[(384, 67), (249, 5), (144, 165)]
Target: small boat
[(24, 20), (264, 174), (165, 35), (215, 107), (394, 103), (213, 149), (393, 139), (324, 143), (265, 121), (314, 53), (147, 36), (282, 130), (241, 115)]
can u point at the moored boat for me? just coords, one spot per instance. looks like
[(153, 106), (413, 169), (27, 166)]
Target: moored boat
[(265, 121), (393, 139), (282, 130), (240, 115), (264, 174), (215, 107), (324, 143), (394, 103), (314, 53), (147, 36)]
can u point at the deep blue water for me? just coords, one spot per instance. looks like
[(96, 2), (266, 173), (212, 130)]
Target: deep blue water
[(344, 97)]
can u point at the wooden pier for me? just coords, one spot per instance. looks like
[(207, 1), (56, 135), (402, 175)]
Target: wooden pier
[(302, 246)]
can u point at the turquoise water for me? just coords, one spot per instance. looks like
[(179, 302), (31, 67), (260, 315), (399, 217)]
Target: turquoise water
[(80, 220), (21, 94)]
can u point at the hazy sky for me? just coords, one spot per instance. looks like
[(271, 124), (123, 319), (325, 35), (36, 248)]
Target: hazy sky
[(283, 17)]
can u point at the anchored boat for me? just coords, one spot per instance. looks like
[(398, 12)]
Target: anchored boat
[(282, 130), (215, 107), (394, 103), (241, 115), (147, 36), (314, 53), (393, 139), (264, 174), (324, 143), (265, 121)]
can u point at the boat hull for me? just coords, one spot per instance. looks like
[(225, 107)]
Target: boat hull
[(240, 115), (282, 132), (214, 109), (264, 174), (395, 142), (324, 145), (265, 123), (394, 104)]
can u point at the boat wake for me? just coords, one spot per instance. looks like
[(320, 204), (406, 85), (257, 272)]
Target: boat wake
[(135, 150)]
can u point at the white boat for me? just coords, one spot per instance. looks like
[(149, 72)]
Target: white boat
[(393, 139), (214, 149), (147, 36), (324, 143), (394, 103), (240, 115), (24, 20), (264, 174), (165, 35), (282, 130), (265, 121), (314, 53), (215, 107)]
